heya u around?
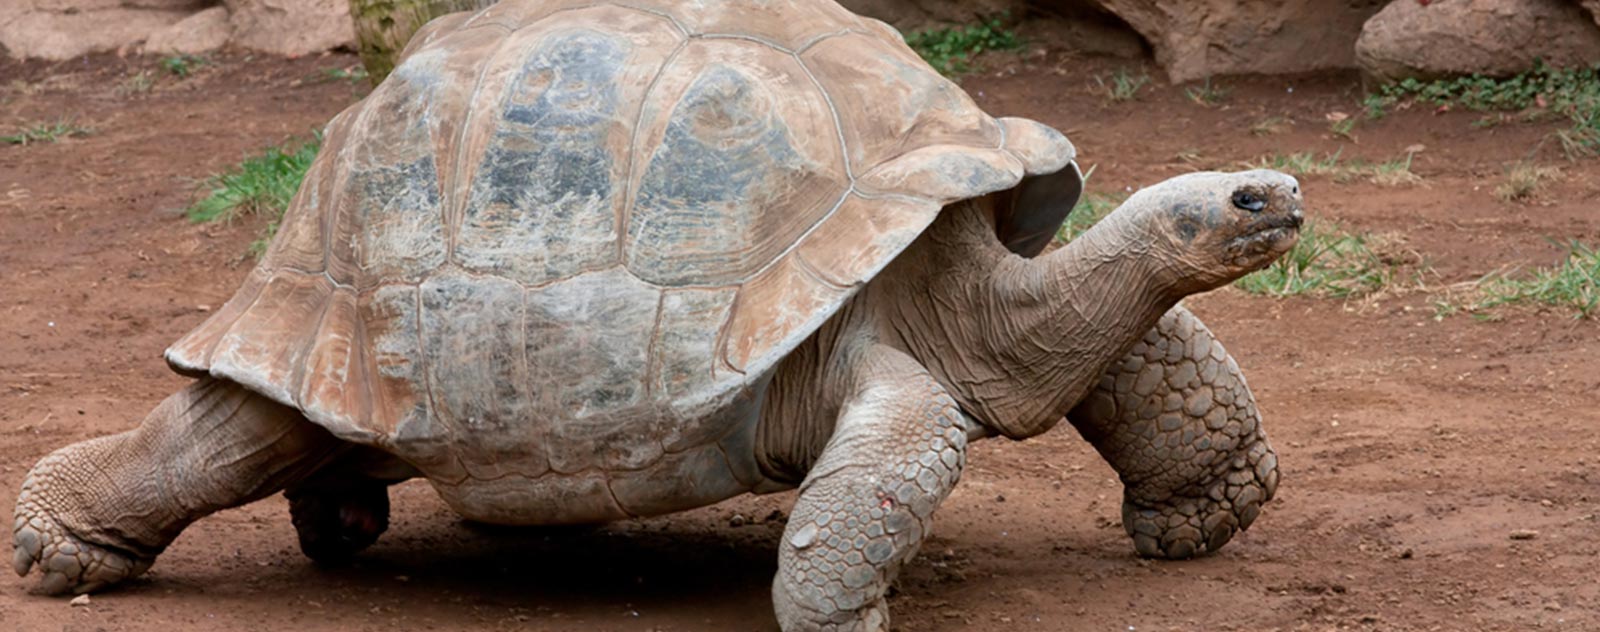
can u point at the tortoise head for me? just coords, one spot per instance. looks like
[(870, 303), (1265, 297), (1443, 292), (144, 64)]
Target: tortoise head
[(1217, 227)]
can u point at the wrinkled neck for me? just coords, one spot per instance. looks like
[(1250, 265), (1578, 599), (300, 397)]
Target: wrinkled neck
[(1064, 318)]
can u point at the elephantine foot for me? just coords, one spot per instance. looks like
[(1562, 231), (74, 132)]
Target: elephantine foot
[(1182, 527), (806, 612), (69, 563), (333, 527)]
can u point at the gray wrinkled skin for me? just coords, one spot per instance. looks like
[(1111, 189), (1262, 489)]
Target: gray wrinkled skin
[(577, 262)]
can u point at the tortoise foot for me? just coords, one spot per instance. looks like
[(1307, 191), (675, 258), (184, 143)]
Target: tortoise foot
[(334, 526), (1183, 527), (69, 563)]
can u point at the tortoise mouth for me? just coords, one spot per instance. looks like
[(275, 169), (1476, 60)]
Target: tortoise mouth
[(1265, 242)]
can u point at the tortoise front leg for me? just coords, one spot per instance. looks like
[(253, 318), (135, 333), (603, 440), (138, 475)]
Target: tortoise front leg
[(1176, 421), (865, 506), (98, 512)]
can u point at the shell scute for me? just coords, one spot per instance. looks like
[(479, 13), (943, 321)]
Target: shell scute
[(553, 169), (740, 158)]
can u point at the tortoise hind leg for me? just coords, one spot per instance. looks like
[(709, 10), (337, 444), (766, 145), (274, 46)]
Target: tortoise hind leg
[(344, 507), (98, 512)]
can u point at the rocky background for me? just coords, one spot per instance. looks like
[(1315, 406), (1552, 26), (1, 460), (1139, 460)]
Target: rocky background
[(1189, 39)]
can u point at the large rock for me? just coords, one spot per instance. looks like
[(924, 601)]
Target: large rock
[(202, 32), (50, 30), (291, 27), (1194, 39), (1489, 37)]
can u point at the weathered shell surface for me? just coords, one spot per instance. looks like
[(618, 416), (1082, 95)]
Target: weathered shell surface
[(564, 241)]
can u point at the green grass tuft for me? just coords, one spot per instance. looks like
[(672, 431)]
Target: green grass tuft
[(1123, 86), (1206, 94), (952, 51), (183, 65), (45, 133), (260, 185), (1326, 262), (1574, 285)]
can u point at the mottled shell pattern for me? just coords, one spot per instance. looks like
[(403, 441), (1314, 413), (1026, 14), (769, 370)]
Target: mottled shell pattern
[(562, 234)]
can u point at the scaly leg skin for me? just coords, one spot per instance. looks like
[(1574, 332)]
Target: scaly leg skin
[(1176, 421), (99, 512), (865, 506)]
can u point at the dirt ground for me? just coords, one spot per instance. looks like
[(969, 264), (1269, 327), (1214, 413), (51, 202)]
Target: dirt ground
[(1411, 448)]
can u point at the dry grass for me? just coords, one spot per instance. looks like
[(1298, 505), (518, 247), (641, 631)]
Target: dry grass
[(1524, 180)]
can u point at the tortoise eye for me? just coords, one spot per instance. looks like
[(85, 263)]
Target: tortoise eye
[(1248, 201)]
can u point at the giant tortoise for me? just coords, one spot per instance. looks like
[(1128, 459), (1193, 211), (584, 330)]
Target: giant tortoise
[(578, 261)]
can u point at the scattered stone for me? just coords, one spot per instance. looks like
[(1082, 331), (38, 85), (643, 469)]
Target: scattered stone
[(1524, 534), (80, 601)]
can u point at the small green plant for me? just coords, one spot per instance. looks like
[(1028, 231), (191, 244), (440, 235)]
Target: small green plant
[(261, 184), (1523, 180), (45, 133), (182, 65), (1376, 106), (1574, 284), (1326, 262), (1123, 86), (1573, 92), (138, 83), (952, 51), (1206, 93)]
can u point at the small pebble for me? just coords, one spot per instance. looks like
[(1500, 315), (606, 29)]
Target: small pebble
[(1524, 534), (80, 600)]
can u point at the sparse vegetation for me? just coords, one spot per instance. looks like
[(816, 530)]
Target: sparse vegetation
[(45, 133), (182, 66), (1574, 93), (1574, 285), (1395, 172), (953, 51), (1523, 180), (1123, 86), (138, 83), (1206, 94), (1326, 262), (262, 184), (1342, 125)]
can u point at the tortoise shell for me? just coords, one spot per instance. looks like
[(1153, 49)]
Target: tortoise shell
[(568, 237)]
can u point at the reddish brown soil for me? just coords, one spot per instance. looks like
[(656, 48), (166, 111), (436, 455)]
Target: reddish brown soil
[(1411, 448)]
